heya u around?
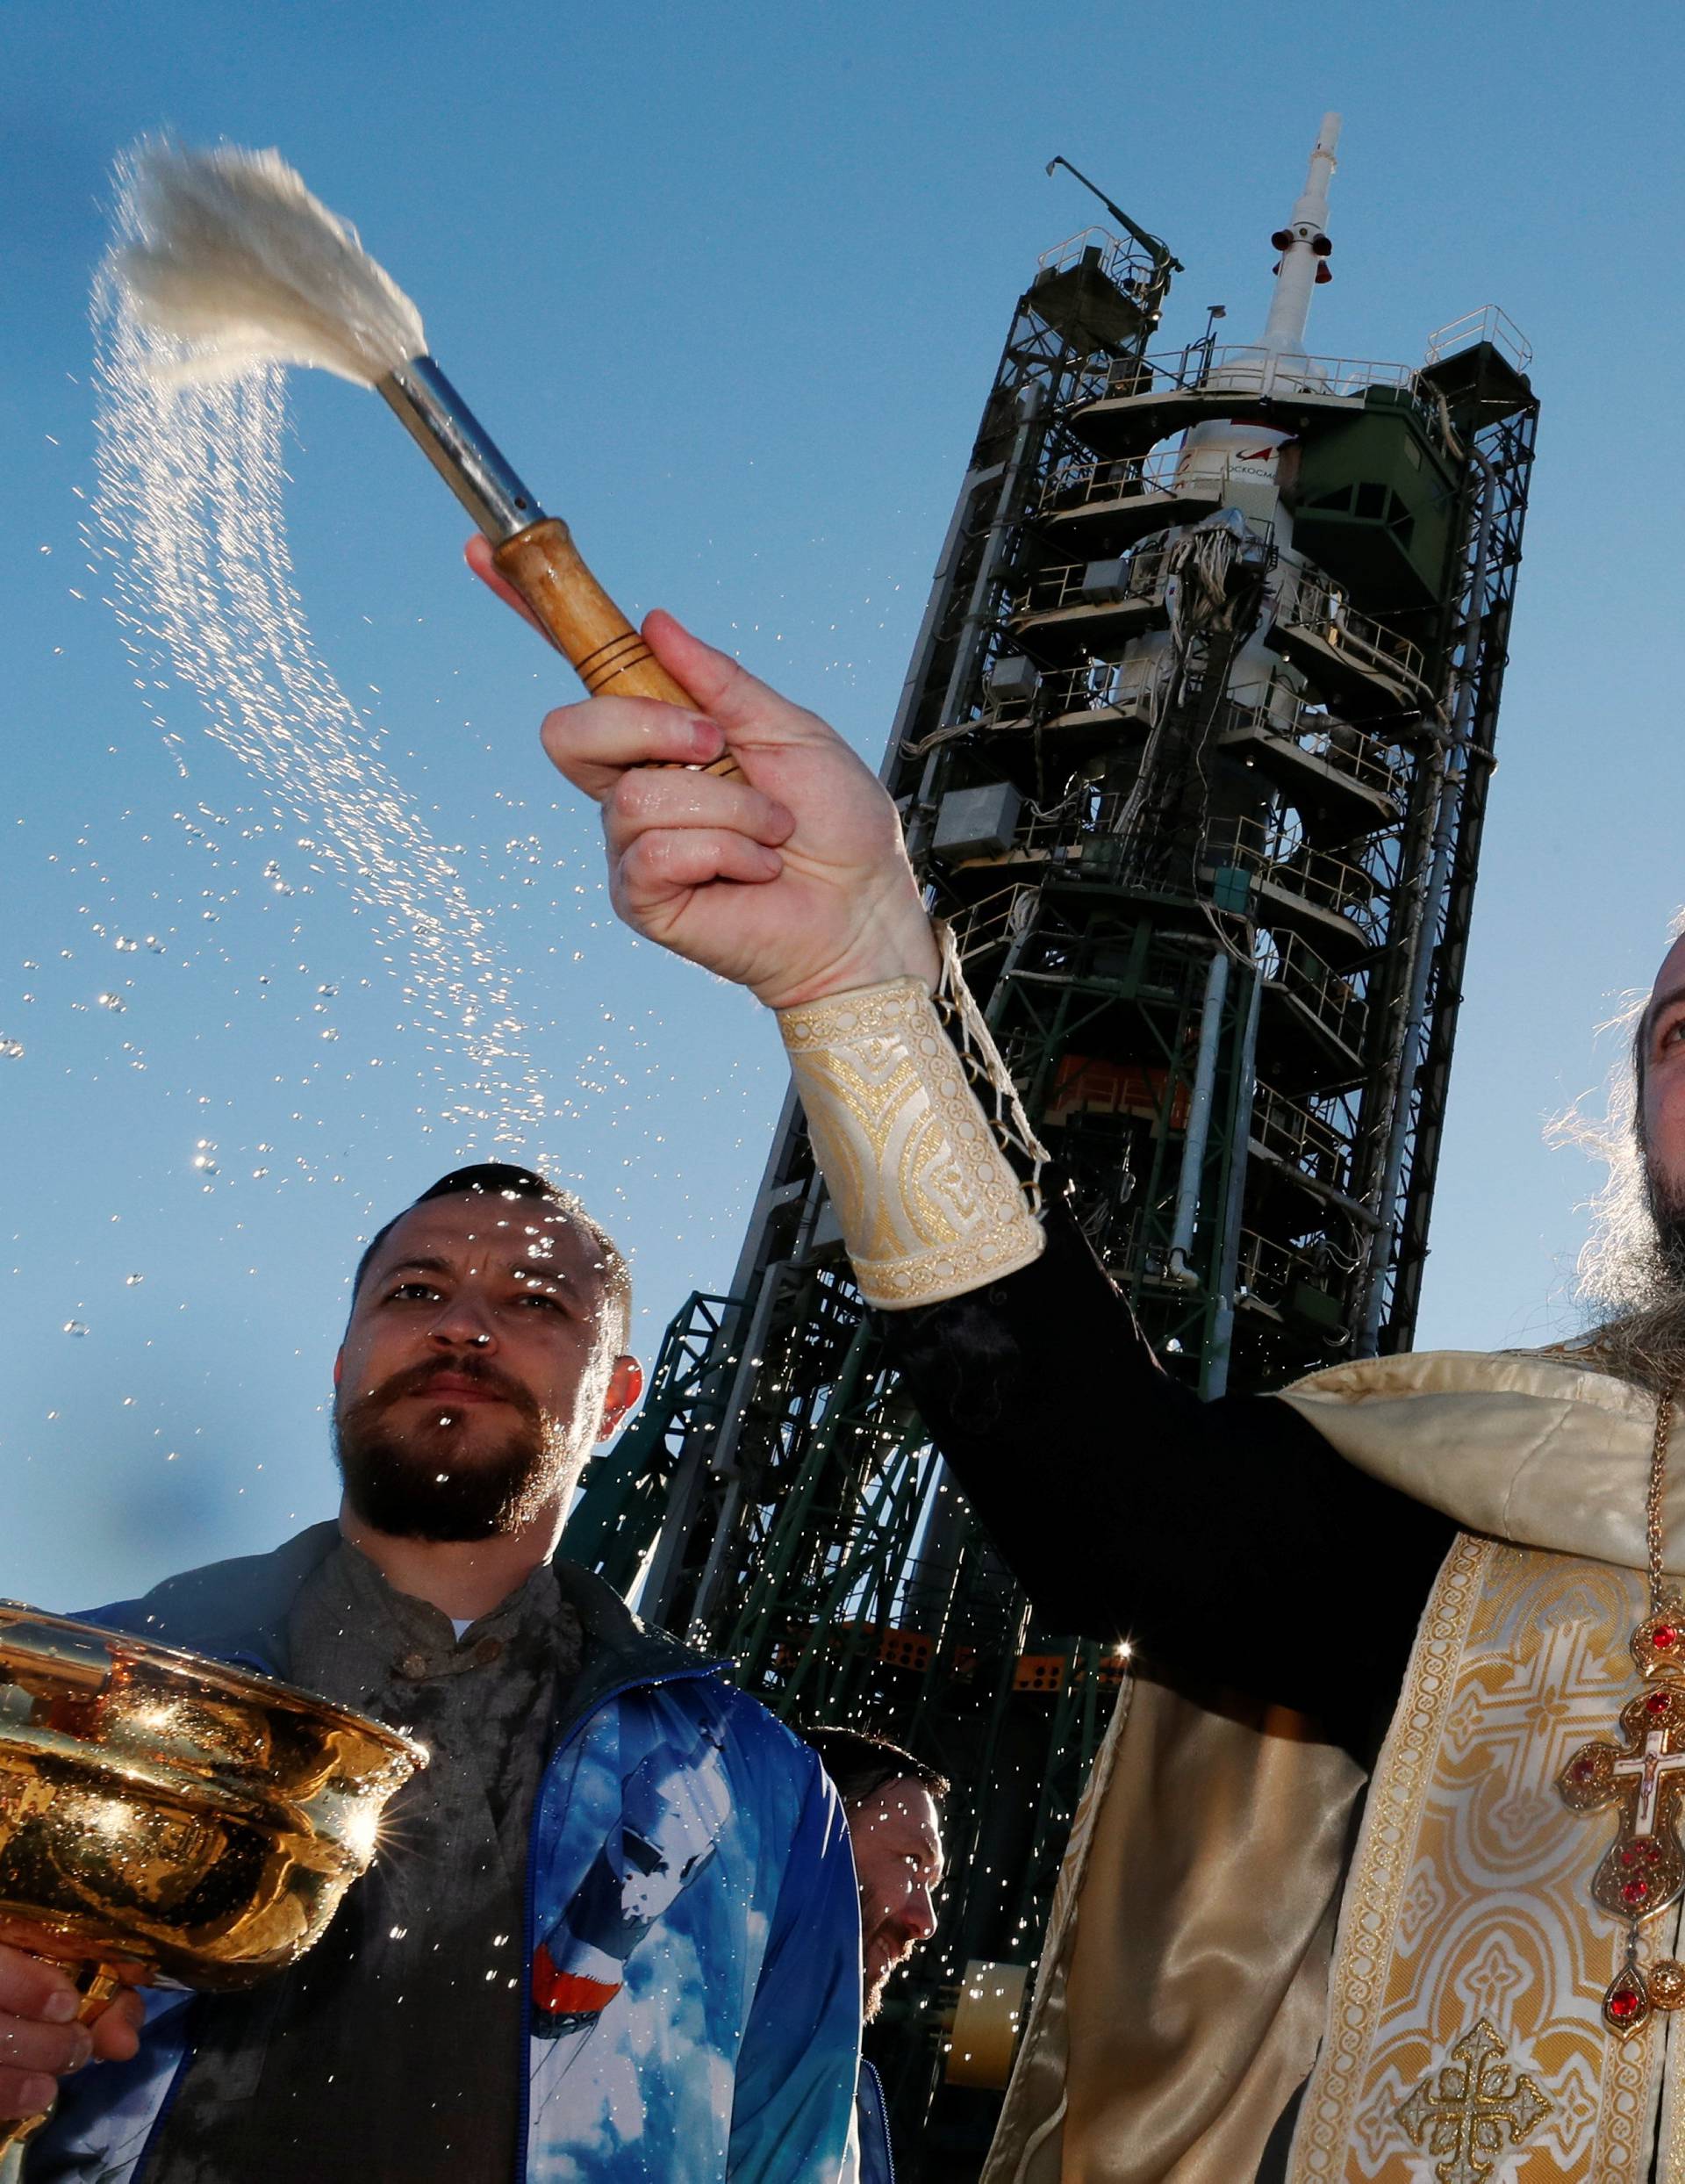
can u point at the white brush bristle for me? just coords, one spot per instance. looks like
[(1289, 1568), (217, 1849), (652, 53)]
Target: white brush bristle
[(229, 255)]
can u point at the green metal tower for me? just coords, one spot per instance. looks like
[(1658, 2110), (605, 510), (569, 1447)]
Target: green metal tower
[(1194, 752)]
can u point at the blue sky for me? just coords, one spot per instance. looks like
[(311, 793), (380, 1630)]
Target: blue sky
[(729, 284)]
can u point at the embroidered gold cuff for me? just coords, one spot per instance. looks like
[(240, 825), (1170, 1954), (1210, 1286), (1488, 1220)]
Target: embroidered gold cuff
[(928, 1202)]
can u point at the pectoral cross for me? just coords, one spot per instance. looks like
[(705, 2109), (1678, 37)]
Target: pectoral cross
[(1650, 1769), (1642, 1871)]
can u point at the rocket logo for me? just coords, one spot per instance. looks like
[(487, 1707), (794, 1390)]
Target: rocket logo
[(674, 1807)]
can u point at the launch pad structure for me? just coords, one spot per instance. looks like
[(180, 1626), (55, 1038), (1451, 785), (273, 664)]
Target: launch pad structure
[(1194, 752)]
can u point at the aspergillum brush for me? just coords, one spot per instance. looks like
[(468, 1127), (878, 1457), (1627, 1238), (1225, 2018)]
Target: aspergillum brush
[(234, 259)]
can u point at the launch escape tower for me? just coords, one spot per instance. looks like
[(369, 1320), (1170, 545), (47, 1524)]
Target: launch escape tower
[(1194, 752)]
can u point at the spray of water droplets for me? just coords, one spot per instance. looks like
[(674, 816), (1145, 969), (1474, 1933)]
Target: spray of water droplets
[(190, 495)]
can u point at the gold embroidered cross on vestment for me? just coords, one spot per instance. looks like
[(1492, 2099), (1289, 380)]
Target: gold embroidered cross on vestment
[(1462, 2116), (1642, 1873)]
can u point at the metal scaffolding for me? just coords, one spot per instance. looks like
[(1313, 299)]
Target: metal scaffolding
[(1194, 752)]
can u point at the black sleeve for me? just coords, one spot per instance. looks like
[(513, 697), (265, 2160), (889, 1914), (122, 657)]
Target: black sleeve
[(1227, 1539)]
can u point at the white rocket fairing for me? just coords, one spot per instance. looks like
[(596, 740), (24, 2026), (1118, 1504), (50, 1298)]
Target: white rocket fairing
[(1232, 462)]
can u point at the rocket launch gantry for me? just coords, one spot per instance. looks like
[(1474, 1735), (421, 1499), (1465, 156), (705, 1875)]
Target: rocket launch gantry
[(1194, 753)]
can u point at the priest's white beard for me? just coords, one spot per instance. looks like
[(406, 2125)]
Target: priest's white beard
[(1645, 1343)]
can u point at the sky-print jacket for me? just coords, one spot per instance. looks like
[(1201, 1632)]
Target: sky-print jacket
[(692, 1928)]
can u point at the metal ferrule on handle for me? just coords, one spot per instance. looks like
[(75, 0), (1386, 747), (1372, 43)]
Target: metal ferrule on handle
[(460, 448), (534, 552)]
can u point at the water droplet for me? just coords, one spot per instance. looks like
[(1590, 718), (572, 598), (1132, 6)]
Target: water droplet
[(76, 1326), (132, 1281), (12, 1050), (177, 482), (115, 1003), (125, 945)]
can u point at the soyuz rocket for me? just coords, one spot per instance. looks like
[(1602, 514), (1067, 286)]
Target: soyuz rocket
[(1237, 463)]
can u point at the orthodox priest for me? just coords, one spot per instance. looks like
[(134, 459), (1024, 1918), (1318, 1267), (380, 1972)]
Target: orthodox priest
[(1379, 1873)]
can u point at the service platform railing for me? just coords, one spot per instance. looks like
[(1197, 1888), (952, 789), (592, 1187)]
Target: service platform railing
[(1119, 261), (1243, 367), (1093, 687), (1334, 1003), (1071, 829), (994, 920), (1487, 324), (1313, 603), (1300, 1138), (1050, 591), (1324, 882), (1078, 482), (1263, 1269), (1117, 687), (1289, 1278), (1280, 714)]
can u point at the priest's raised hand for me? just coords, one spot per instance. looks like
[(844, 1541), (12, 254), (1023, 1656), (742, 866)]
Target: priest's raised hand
[(790, 880)]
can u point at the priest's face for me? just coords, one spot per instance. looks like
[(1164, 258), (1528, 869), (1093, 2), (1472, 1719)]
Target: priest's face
[(1660, 1051), (478, 1368)]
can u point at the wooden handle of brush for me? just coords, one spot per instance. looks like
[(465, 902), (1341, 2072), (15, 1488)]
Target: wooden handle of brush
[(548, 570)]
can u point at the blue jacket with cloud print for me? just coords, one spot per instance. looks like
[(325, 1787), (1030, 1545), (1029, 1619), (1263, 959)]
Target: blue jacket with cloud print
[(720, 2049)]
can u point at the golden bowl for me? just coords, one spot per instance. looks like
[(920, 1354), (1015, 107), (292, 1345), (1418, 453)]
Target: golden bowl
[(157, 1805)]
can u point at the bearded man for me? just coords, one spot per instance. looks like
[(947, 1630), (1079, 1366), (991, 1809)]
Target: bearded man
[(612, 1931), (893, 1803), (1378, 1875)]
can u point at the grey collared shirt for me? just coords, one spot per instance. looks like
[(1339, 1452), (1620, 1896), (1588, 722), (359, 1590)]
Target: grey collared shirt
[(393, 2050)]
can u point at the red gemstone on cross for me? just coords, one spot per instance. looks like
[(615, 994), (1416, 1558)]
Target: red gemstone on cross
[(1636, 1891), (1584, 1770), (1665, 1638), (1623, 2004), (1659, 1701), (1630, 1856)]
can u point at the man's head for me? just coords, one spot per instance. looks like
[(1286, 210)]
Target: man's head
[(485, 1351), (1659, 1066), (893, 1803), (1631, 1267)]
